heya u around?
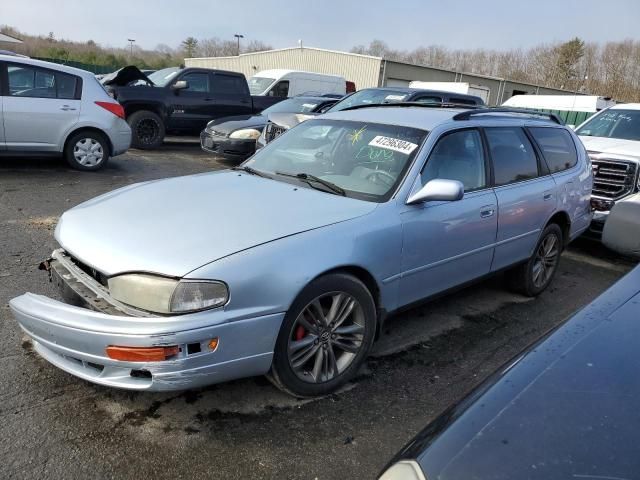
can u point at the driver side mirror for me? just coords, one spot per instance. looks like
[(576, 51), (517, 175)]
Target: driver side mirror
[(180, 85), (439, 189)]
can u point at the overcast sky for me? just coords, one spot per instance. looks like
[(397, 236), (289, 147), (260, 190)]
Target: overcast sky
[(403, 24)]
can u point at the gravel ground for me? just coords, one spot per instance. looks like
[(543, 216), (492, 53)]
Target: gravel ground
[(56, 426)]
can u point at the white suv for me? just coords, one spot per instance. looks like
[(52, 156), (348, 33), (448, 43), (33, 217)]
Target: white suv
[(612, 139), (48, 108)]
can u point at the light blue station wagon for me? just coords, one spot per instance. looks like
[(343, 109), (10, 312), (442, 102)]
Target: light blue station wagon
[(289, 264)]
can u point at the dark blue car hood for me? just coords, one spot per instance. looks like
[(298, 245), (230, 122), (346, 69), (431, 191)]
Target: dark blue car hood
[(226, 125)]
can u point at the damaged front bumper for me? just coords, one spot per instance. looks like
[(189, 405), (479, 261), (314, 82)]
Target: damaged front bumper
[(74, 338)]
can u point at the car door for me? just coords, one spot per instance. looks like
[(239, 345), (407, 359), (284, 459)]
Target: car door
[(560, 153), (192, 106), (39, 107), (231, 95), (525, 191), (448, 243)]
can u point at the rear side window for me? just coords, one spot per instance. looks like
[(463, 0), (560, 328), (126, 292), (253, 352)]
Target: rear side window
[(227, 84), (66, 85), (514, 159), (557, 147), (25, 81)]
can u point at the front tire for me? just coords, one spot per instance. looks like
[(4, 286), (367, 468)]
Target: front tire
[(325, 336), (534, 276), (147, 129), (88, 151)]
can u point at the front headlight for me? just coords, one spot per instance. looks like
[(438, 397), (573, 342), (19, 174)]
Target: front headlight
[(166, 295), (404, 470), (245, 133)]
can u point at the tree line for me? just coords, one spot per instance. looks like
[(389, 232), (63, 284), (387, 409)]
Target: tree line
[(90, 52), (611, 69)]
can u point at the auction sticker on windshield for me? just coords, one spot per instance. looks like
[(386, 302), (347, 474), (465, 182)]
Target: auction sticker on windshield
[(395, 144)]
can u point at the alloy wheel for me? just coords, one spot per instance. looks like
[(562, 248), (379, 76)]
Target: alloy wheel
[(326, 337), (546, 260), (88, 152), (147, 131)]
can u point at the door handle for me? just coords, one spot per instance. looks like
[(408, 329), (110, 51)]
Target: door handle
[(66, 108), (548, 195), (486, 213)]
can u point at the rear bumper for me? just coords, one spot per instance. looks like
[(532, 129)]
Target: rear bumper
[(120, 139), (226, 147), (597, 224), (74, 339)]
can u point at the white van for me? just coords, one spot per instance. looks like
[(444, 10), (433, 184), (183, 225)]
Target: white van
[(455, 87), (570, 103), (290, 83)]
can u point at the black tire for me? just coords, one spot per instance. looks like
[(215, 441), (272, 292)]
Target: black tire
[(362, 316), (147, 129), (525, 278), (87, 150)]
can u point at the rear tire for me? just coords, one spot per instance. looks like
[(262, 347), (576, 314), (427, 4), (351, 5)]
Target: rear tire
[(147, 129), (87, 150), (534, 276), (325, 336)]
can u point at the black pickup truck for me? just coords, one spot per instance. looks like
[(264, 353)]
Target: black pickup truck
[(179, 101)]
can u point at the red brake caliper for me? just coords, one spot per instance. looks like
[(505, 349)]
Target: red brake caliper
[(300, 333)]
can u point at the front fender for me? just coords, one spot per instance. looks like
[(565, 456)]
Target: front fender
[(268, 277)]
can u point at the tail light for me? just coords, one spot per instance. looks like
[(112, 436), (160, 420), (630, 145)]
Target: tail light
[(114, 108), (351, 87)]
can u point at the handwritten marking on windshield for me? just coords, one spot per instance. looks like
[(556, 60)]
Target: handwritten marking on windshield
[(356, 136)]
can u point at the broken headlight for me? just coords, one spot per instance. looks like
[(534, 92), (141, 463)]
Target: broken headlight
[(167, 295)]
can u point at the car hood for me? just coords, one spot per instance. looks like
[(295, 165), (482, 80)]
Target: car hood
[(290, 120), (125, 76), (176, 225), (226, 125), (612, 146)]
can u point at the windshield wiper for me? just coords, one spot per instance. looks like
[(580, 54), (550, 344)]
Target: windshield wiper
[(312, 178), (251, 171)]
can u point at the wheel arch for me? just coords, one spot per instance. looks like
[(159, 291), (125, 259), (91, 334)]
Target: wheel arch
[(370, 282), (563, 220), (132, 107), (87, 129)]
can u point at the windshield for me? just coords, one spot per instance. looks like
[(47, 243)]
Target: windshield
[(161, 78), (257, 85), (366, 160), (622, 124), (369, 97), (293, 105)]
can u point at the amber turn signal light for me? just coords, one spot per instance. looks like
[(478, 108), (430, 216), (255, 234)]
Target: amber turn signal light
[(213, 344), (141, 354)]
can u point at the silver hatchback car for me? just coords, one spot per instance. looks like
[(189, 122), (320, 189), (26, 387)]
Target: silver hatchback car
[(289, 264), (46, 108)]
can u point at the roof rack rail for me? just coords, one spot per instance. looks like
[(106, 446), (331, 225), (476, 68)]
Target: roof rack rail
[(480, 111), (414, 104)]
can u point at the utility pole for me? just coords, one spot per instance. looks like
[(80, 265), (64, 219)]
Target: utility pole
[(238, 36), (131, 40)]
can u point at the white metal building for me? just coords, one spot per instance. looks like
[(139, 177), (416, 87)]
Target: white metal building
[(364, 70)]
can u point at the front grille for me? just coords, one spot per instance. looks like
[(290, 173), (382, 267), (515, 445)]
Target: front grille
[(273, 131), (92, 272), (613, 179)]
